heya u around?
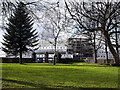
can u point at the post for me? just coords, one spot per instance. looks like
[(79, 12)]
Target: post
[(46, 57), (34, 56), (20, 59)]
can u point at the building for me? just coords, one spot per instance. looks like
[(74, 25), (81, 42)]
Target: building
[(102, 54), (45, 46), (80, 47), (40, 53)]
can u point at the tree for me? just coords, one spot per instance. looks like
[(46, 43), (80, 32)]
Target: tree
[(95, 37), (54, 26), (103, 13), (20, 35), (46, 57), (45, 13), (96, 42)]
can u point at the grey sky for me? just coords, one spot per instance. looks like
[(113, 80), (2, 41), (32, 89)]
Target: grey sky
[(39, 29), (35, 26)]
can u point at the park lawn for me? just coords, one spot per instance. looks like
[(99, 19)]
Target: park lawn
[(45, 75)]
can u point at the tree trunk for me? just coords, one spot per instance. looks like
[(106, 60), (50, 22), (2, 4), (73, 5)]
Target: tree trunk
[(116, 41), (46, 57), (106, 52), (54, 62), (95, 56), (95, 51), (112, 50), (20, 60)]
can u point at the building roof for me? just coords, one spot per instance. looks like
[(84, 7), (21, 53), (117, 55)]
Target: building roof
[(50, 49)]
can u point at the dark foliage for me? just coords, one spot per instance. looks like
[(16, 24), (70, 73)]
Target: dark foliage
[(19, 36), (66, 60)]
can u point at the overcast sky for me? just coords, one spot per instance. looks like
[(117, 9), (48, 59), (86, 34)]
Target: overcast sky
[(35, 26), (39, 29)]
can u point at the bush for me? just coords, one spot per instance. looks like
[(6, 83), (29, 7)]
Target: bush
[(107, 64), (114, 64), (79, 60), (16, 60), (66, 60)]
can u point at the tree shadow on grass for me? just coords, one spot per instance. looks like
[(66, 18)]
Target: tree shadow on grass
[(35, 86), (26, 83), (24, 64), (44, 87)]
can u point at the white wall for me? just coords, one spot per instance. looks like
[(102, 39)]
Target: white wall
[(101, 53)]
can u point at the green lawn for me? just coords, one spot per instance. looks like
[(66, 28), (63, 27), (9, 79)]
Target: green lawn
[(43, 75)]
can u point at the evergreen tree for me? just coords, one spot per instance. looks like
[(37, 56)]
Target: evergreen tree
[(19, 35)]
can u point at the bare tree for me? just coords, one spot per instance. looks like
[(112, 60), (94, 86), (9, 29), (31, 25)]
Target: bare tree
[(95, 37), (96, 40), (103, 13), (54, 24)]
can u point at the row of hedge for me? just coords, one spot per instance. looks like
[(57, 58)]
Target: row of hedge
[(16, 60), (31, 60), (69, 60)]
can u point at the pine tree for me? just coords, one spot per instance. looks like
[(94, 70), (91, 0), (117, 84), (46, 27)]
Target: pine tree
[(19, 35)]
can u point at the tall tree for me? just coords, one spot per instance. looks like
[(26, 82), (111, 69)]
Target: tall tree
[(103, 13), (19, 35)]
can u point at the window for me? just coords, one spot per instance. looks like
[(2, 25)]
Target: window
[(37, 55), (51, 47)]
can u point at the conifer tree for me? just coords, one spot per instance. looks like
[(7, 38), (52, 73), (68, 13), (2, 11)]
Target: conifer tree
[(19, 34)]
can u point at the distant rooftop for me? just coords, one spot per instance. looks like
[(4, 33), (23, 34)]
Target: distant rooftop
[(44, 43), (50, 49)]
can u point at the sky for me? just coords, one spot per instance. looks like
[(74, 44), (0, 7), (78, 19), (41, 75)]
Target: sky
[(39, 29)]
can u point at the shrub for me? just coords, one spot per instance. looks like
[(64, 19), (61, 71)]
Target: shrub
[(66, 60)]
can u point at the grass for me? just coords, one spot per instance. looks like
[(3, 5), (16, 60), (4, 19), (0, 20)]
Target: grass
[(45, 75)]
